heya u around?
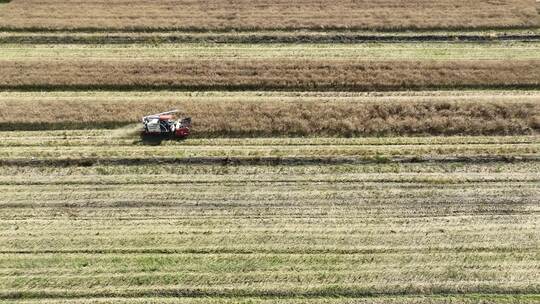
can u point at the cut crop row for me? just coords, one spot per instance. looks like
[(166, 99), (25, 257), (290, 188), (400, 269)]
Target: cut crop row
[(123, 137), (269, 37), (286, 217), (119, 174), (66, 234), (403, 299), (289, 282), (200, 179), (497, 193), (368, 51), (144, 154), (269, 239), (514, 95)]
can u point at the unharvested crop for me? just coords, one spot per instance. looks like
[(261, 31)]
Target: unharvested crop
[(261, 14), (269, 74), (294, 117)]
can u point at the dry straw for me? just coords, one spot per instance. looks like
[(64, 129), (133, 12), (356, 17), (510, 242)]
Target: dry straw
[(267, 15)]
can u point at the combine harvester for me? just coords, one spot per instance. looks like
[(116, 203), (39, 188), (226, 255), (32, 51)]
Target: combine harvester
[(161, 126)]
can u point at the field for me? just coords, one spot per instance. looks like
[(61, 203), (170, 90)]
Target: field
[(267, 114), (277, 67), (346, 152), (249, 220), (223, 15)]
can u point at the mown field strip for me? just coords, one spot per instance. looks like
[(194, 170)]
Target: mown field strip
[(132, 98), (95, 225), (461, 176), (289, 37), (137, 152), (123, 172), (274, 291), (72, 230), (491, 33), (286, 217), (428, 299), (366, 192), (227, 282), (253, 95), (116, 138), (81, 141), (73, 264), (366, 189), (424, 51), (113, 232), (256, 278)]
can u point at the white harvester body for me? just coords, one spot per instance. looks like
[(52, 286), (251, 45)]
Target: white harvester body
[(163, 126)]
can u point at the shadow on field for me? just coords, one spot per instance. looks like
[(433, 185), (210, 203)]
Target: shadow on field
[(252, 161), (133, 131), (151, 141)]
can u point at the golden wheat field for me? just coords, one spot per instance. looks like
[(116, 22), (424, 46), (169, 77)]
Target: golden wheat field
[(340, 152)]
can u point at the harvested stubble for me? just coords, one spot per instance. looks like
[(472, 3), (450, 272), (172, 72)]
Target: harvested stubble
[(103, 137), (298, 152), (286, 116), (267, 37), (270, 235), (223, 15), (279, 74), (425, 299), (198, 233), (367, 51), (429, 172), (193, 152)]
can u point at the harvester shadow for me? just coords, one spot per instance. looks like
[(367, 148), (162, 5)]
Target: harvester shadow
[(151, 141), (156, 141)]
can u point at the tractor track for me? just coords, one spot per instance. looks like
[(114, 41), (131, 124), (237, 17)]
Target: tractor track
[(70, 38), (251, 161)]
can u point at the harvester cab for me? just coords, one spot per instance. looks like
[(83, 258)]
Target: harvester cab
[(162, 126)]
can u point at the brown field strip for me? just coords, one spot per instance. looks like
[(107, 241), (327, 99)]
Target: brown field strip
[(268, 74), (222, 15), (283, 114)]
